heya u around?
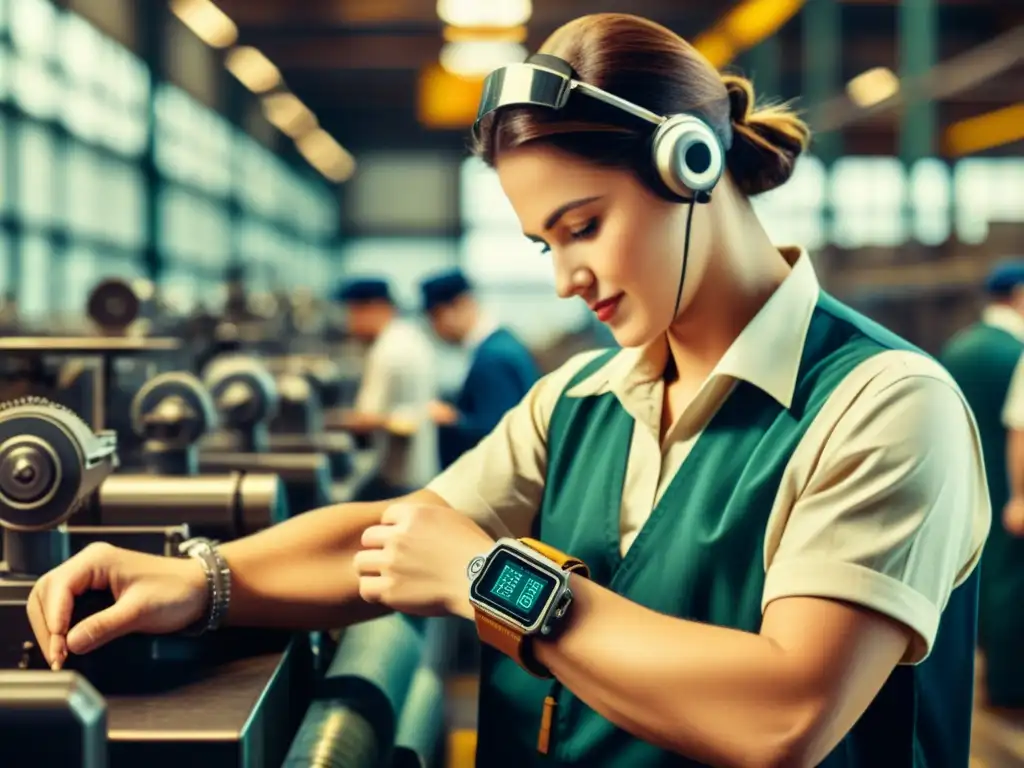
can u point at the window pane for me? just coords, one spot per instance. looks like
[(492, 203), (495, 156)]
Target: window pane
[(6, 62), (124, 200), (36, 162), (192, 142), (194, 229), (33, 27), (85, 204), (81, 273), (5, 261), (794, 213), (931, 196), (78, 49), (36, 87), (483, 203), (35, 288), (869, 198), (495, 257), (5, 197)]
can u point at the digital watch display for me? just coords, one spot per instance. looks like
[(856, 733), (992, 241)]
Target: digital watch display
[(519, 586)]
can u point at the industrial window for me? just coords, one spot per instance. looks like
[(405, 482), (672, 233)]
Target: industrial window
[(931, 199), (5, 258), (794, 213), (194, 228), (192, 143), (987, 190), (36, 149), (868, 196), (34, 298), (33, 23), (482, 202)]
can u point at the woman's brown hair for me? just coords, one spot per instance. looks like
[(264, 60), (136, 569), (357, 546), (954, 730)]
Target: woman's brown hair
[(653, 67)]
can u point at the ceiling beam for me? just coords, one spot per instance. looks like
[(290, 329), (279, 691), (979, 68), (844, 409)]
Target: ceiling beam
[(958, 75), (275, 13)]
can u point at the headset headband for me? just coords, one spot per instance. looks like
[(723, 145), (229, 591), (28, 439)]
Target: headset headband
[(545, 81)]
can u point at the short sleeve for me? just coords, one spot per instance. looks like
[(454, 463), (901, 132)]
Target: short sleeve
[(500, 482), (1013, 406), (896, 512), (373, 392)]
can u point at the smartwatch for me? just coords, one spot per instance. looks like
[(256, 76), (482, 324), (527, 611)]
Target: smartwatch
[(520, 590)]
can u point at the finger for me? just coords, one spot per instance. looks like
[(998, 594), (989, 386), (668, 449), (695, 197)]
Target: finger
[(58, 600), (99, 629), (44, 639), (376, 536), (371, 562), (396, 513), (373, 588)]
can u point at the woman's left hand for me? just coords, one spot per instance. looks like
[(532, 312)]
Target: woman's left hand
[(415, 561)]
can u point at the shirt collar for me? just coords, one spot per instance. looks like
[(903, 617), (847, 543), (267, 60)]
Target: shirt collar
[(1005, 319), (767, 353), (484, 327)]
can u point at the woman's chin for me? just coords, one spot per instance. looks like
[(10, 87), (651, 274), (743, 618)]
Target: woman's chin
[(633, 334)]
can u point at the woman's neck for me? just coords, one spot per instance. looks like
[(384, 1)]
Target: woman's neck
[(733, 289)]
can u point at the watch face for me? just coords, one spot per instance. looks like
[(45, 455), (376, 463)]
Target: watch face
[(515, 587)]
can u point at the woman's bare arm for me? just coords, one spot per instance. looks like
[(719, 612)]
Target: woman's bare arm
[(299, 574)]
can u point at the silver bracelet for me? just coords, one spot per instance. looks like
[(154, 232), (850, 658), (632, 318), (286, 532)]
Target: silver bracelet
[(218, 583)]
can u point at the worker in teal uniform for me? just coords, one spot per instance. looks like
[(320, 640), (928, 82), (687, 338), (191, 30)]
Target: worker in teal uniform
[(747, 538), (982, 358), (501, 369)]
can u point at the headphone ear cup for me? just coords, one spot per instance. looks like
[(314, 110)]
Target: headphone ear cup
[(687, 155)]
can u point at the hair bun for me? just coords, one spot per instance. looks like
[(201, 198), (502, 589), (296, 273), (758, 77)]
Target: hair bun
[(741, 98), (765, 142)]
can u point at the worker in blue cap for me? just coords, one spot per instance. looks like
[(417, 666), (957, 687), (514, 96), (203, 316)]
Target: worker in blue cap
[(985, 360), (398, 385), (501, 369)]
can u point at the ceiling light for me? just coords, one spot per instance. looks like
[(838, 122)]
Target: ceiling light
[(209, 23), (484, 13), (254, 70), (289, 115), (324, 153), (873, 87), (479, 58), (495, 34)]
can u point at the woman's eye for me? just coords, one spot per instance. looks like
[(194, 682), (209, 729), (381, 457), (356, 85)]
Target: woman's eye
[(587, 230)]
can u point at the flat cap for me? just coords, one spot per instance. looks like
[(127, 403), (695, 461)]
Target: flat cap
[(443, 288), (363, 289)]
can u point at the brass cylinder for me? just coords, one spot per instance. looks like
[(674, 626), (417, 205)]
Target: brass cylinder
[(222, 507)]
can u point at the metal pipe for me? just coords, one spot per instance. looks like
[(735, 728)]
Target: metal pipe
[(354, 718), (223, 507)]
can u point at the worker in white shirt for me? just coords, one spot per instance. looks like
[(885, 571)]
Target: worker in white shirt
[(399, 383)]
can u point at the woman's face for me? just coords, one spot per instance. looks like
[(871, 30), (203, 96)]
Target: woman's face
[(613, 242)]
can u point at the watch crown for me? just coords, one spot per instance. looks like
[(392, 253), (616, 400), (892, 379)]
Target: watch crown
[(475, 566)]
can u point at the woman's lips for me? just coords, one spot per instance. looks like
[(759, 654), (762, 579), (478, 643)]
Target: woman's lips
[(606, 308)]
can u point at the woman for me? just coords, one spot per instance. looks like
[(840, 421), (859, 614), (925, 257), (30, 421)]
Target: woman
[(780, 503)]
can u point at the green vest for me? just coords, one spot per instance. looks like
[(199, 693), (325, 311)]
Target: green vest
[(700, 556), (982, 359)]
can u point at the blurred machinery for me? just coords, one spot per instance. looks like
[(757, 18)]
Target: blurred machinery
[(50, 464), (247, 399), (171, 413), (54, 718)]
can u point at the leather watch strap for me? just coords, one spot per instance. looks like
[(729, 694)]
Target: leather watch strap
[(564, 561), (509, 640)]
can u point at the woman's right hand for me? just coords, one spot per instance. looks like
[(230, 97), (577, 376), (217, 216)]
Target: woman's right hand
[(153, 595)]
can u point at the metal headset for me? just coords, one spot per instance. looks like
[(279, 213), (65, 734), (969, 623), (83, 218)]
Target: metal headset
[(687, 155)]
